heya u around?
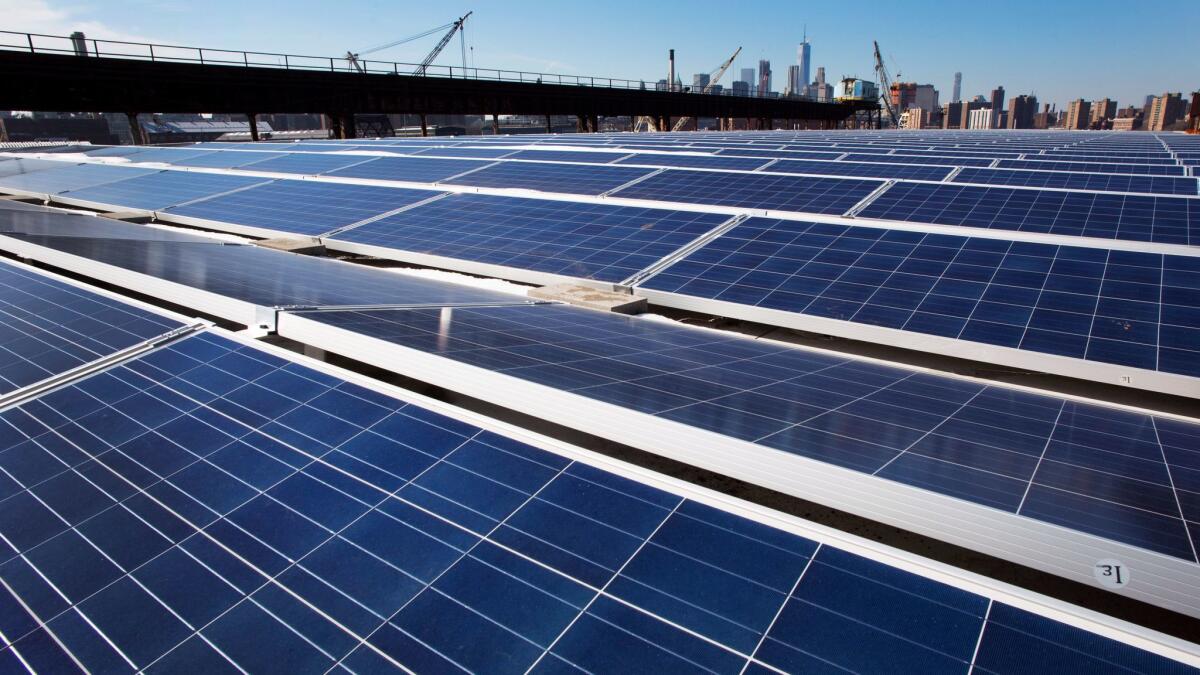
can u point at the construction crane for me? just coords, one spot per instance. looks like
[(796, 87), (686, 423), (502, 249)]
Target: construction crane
[(713, 78), (885, 87), (453, 26)]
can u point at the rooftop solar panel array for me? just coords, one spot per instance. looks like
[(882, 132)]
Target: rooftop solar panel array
[(756, 191), (156, 191), (1092, 167), (412, 169), (40, 178), (575, 179), (237, 510), (1163, 185)]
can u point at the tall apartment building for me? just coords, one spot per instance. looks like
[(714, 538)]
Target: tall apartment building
[(952, 115), (1165, 110), (1078, 114), (997, 106), (764, 77), (913, 118), (1021, 111), (980, 118), (1104, 109)]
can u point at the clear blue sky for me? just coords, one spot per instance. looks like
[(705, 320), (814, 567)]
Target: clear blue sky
[(1059, 50)]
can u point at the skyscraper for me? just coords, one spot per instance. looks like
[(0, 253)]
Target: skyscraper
[(804, 60), (699, 81), (957, 97), (824, 92), (795, 86), (748, 78), (764, 77), (997, 106)]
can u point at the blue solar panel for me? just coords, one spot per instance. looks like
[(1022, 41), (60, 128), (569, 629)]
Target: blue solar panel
[(54, 177), (411, 169), (917, 159), (1092, 167), (169, 155), (566, 156), (781, 154), (114, 150), (1162, 185), (592, 241), (1134, 309), (956, 437), (712, 162), (863, 169), (48, 327), (478, 153), (227, 159), (218, 507), (1167, 220), (1123, 158), (304, 162), (159, 190), (572, 178), (302, 206), (753, 190)]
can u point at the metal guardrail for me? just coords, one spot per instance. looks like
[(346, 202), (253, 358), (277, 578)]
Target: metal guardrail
[(36, 43)]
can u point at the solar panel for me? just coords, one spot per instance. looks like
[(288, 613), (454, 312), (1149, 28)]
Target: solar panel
[(227, 159), (37, 221), (300, 206), (113, 150), (1134, 309), (304, 163), (1092, 167), (60, 176), (48, 327), (752, 190), (222, 507), (575, 179), (158, 190), (169, 155), (781, 154), (917, 159), (566, 156), (1162, 185), (711, 162), (478, 153), (592, 241), (1167, 220), (1049, 459), (411, 169), (864, 169)]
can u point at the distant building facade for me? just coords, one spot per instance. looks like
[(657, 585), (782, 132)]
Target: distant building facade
[(699, 81), (1104, 109), (795, 86), (1021, 110), (997, 106), (1078, 114), (1165, 110), (980, 118), (764, 77)]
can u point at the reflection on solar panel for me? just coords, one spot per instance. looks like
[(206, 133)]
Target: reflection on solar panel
[(1168, 220), (1092, 167), (480, 153), (306, 163), (161, 189), (301, 206), (1135, 309), (114, 151), (168, 155), (712, 162), (1161, 185), (219, 507), (917, 159), (48, 327), (227, 159), (757, 190), (592, 241), (909, 171), (54, 177), (411, 169), (575, 179), (566, 156), (1084, 467)]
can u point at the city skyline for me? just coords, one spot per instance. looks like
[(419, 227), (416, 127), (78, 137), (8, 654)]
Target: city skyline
[(1026, 51)]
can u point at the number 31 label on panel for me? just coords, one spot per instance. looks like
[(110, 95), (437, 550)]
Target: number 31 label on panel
[(1111, 573)]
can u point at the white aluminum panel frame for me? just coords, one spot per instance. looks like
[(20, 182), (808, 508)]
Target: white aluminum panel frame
[(1162, 580)]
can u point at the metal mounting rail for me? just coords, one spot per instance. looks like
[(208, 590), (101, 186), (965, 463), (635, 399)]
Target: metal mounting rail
[(486, 165), (683, 251), (386, 214), (866, 201), (953, 174), (28, 393), (418, 305), (635, 181), (770, 163)]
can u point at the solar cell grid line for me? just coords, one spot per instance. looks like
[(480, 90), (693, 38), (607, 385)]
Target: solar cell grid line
[(567, 178), (249, 494), (410, 169), (40, 178), (1092, 167), (300, 207), (1167, 220), (572, 239), (158, 190), (708, 162), (752, 190), (1163, 185), (862, 169), (50, 326), (306, 163)]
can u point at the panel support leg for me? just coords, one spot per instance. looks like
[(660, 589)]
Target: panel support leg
[(424, 125), (252, 118), (135, 129)]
